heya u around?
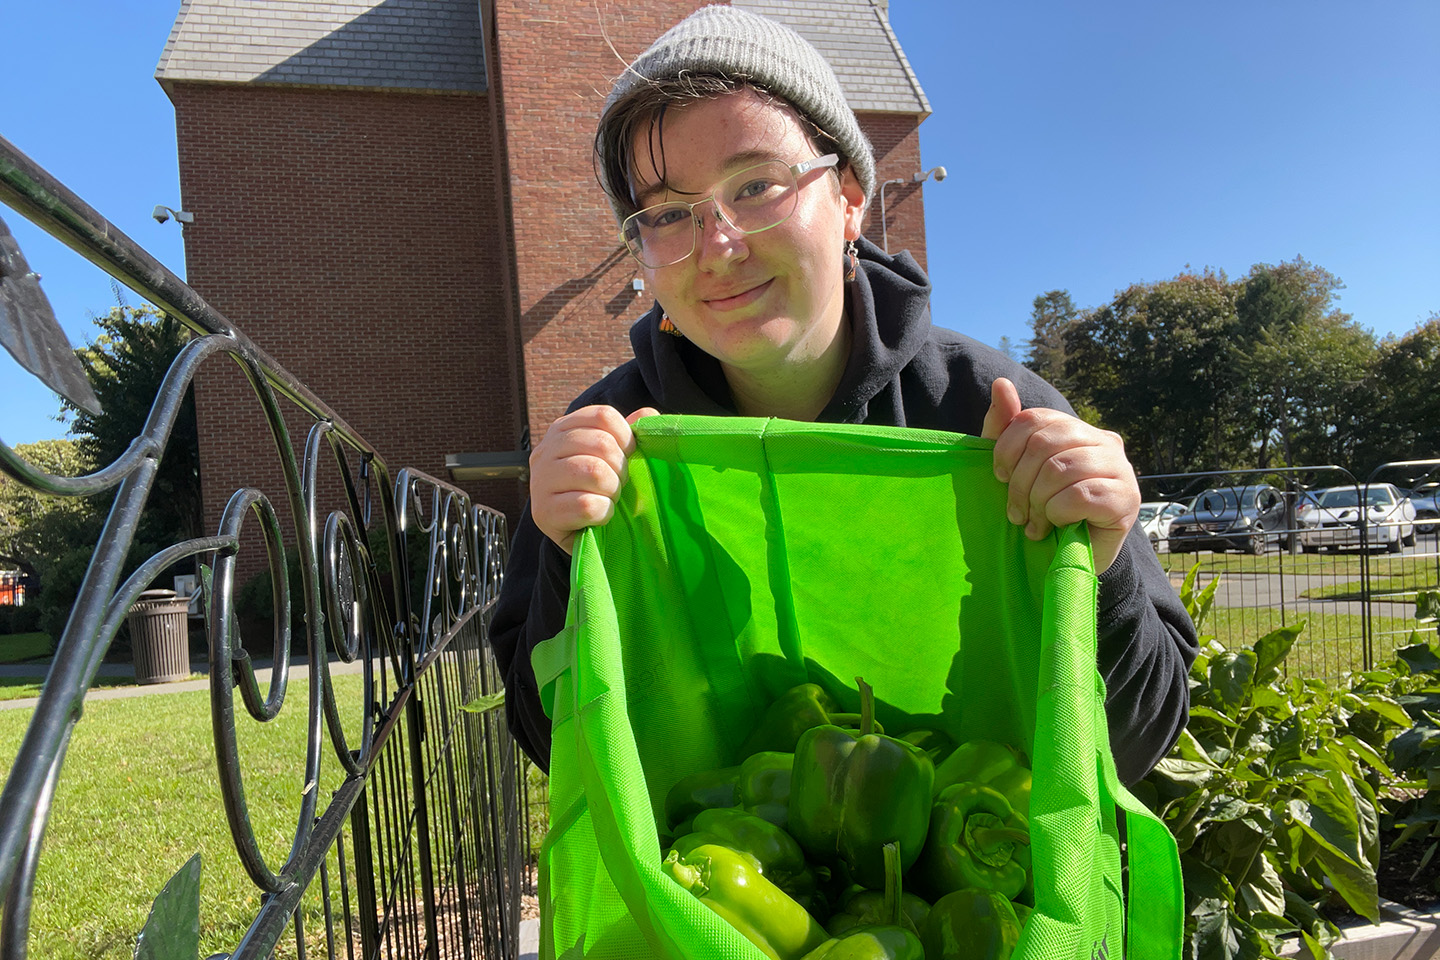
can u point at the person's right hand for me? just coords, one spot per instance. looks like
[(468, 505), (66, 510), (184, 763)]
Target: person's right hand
[(578, 469)]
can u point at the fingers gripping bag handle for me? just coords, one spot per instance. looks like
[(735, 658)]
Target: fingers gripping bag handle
[(746, 556)]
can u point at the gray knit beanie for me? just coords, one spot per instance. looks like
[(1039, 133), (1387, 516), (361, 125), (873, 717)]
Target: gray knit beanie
[(733, 43)]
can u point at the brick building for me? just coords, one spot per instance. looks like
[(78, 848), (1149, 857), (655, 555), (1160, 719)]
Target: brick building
[(396, 201)]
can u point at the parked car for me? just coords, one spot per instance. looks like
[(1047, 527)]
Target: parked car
[(1376, 513), (1155, 519), (1422, 498), (1247, 518)]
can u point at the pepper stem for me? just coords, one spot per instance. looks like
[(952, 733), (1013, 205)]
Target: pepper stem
[(867, 707), (892, 883)]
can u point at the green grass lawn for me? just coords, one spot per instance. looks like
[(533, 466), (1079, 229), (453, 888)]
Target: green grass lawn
[(1399, 589), (22, 647), (1346, 564), (139, 794)]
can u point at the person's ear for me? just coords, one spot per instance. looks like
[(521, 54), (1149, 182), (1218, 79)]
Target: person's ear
[(852, 199)]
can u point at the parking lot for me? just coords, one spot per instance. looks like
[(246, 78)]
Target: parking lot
[(1284, 545), (1358, 606)]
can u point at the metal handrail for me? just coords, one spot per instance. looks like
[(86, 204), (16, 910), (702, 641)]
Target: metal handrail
[(347, 607)]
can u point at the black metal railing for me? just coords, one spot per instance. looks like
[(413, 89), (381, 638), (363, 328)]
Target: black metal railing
[(421, 849)]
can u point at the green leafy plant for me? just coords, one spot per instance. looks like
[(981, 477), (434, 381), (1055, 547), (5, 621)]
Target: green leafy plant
[(1413, 804), (1271, 795)]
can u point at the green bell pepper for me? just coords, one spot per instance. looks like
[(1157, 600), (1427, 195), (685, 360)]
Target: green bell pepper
[(798, 709), (774, 851), (861, 908), (853, 791), (700, 791), (971, 925), (976, 839), (763, 787), (730, 884), (883, 931), (871, 942), (868, 907), (936, 744), (986, 761)]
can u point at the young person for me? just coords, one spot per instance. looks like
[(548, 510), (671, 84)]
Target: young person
[(741, 178)]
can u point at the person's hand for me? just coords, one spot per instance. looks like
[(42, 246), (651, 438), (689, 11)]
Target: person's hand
[(577, 471), (1060, 469)]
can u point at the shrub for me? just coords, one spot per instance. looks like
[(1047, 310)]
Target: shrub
[(1413, 808), (1271, 795), (22, 619)]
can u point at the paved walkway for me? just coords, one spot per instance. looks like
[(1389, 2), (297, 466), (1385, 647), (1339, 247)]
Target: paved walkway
[(299, 670)]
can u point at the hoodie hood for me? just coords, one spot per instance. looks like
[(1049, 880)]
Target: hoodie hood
[(888, 307)]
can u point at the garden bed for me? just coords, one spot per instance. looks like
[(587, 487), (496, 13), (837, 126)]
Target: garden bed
[(1403, 933)]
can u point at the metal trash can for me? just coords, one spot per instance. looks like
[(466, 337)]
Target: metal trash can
[(160, 636)]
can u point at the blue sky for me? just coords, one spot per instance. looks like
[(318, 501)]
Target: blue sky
[(1089, 146)]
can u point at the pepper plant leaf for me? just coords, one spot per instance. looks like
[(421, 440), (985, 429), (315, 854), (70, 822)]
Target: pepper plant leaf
[(1262, 891), (172, 931), (1271, 649), (1386, 708), (1355, 883), (1415, 744), (1232, 677), (1207, 713), (1420, 658)]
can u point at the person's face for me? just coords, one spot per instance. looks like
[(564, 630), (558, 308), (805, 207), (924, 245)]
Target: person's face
[(760, 302)]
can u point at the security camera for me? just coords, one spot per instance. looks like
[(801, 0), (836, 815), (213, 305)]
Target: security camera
[(939, 174), (161, 213)]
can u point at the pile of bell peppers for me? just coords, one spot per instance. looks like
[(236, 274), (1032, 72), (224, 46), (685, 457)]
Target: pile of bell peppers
[(834, 841)]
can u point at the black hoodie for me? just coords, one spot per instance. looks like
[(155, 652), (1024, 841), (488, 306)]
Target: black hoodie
[(902, 371)]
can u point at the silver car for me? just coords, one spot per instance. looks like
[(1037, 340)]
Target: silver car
[(1372, 515), (1155, 519), (1426, 510)]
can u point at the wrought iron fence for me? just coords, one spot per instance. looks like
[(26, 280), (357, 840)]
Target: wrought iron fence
[(1348, 558), (422, 848)]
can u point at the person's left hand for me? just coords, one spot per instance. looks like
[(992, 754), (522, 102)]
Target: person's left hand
[(1060, 470)]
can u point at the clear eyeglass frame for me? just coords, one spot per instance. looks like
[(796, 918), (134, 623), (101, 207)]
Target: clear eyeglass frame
[(634, 226)]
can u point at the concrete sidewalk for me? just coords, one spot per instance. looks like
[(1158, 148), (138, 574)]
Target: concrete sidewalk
[(299, 670)]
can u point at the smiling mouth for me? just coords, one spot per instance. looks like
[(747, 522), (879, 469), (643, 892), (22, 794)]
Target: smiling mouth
[(744, 298)]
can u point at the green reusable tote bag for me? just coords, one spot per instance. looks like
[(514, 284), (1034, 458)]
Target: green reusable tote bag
[(747, 556)]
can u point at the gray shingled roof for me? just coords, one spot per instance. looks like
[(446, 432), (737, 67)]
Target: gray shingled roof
[(429, 45), (855, 36)]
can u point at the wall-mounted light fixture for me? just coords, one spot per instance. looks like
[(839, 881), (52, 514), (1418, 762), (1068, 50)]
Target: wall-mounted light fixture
[(161, 213), (937, 172), (638, 285)]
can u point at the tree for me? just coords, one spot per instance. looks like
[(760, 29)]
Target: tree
[(1051, 315), (1155, 364), (55, 537), (35, 528), (127, 363), (1301, 359), (1402, 419)]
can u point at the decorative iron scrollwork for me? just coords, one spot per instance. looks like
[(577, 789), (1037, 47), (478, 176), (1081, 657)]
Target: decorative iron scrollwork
[(446, 558)]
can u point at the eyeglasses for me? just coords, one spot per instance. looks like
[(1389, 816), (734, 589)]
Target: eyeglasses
[(754, 199)]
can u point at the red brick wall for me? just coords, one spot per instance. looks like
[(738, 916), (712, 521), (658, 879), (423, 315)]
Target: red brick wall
[(576, 305), (355, 237), (360, 239), (896, 139)]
